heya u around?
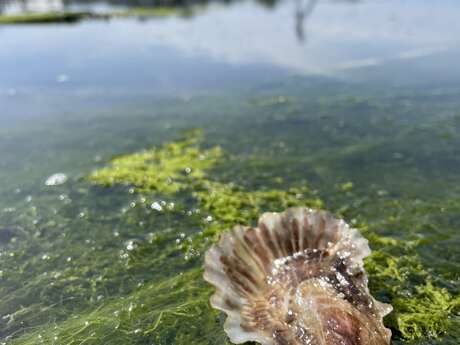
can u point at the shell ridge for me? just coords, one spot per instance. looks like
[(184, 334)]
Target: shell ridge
[(247, 253), (261, 273), (259, 253)]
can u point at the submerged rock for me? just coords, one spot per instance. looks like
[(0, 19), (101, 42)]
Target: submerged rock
[(297, 278)]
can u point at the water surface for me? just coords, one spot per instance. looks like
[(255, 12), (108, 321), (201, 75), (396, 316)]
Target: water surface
[(319, 93)]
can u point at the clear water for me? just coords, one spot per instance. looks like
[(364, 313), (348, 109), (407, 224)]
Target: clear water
[(325, 92)]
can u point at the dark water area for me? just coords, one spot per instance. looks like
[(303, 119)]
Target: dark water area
[(358, 100)]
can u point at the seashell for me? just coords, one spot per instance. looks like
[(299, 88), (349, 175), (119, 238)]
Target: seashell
[(297, 278)]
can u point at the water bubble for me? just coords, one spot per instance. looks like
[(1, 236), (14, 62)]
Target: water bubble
[(131, 245), (131, 307), (382, 192), (156, 206), (56, 179)]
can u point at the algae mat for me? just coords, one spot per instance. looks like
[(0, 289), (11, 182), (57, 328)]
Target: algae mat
[(114, 255)]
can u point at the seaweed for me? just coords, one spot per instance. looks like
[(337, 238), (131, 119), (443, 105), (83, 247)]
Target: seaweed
[(167, 170), (135, 231), (155, 293), (421, 309), (158, 312)]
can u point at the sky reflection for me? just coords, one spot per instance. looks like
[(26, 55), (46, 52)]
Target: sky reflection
[(236, 43)]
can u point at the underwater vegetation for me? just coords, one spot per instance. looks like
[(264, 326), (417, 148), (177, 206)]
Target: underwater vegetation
[(118, 256), (182, 166), (420, 310)]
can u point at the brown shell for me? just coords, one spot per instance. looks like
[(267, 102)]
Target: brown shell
[(297, 278)]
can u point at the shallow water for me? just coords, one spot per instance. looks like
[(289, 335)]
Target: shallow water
[(319, 94)]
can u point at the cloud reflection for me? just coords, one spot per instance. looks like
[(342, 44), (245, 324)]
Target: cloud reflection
[(224, 42), (342, 35)]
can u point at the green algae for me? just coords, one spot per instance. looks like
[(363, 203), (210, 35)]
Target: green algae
[(402, 267), (156, 252), (163, 309), (166, 170), (161, 313), (425, 299), (427, 312), (181, 166), (420, 310)]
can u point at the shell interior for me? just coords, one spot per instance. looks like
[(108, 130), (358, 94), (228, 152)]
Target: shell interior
[(296, 278)]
